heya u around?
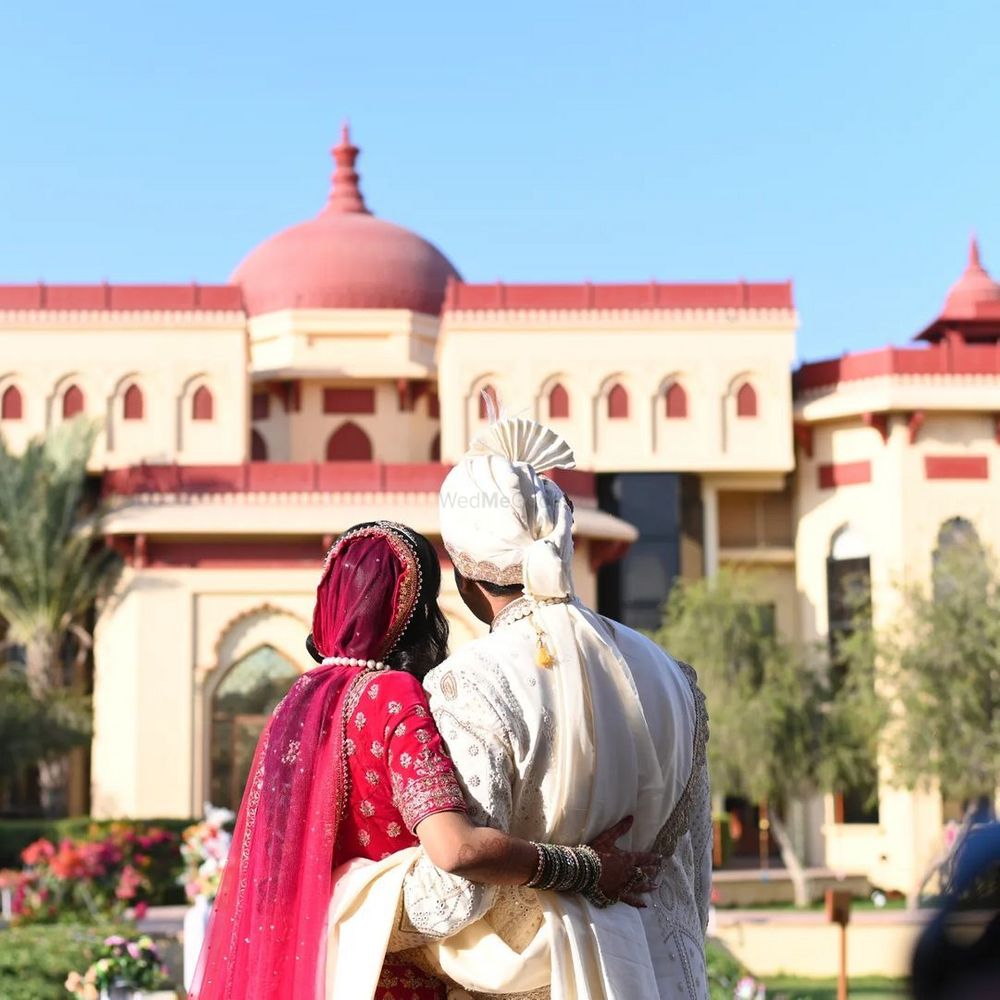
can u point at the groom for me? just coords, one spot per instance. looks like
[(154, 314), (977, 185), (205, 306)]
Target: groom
[(560, 722)]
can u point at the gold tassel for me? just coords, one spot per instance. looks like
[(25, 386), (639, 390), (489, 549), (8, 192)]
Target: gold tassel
[(543, 657)]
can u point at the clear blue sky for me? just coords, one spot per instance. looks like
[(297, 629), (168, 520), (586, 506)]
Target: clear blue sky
[(851, 147)]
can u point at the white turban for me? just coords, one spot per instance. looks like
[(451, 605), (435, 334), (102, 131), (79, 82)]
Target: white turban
[(503, 522)]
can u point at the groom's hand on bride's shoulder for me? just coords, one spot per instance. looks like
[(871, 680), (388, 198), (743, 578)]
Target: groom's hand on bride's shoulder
[(626, 876)]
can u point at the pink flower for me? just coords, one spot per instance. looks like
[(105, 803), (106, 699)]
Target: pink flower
[(69, 862), (128, 883), (116, 940), (139, 910), (40, 850)]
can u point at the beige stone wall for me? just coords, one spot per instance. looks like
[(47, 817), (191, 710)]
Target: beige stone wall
[(899, 514), (153, 688), (351, 343), (877, 945), (167, 355), (522, 355), (301, 436)]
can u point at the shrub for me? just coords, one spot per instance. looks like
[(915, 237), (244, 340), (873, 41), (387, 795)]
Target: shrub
[(16, 835), (34, 961), (724, 970)]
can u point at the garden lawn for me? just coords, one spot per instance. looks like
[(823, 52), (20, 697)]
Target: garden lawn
[(35, 960), (868, 988)]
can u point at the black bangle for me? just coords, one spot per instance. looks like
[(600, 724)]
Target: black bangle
[(567, 869)]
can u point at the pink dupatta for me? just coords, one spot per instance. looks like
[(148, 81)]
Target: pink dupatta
[(266, 935)]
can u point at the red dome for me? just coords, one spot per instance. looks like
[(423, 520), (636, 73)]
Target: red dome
[(973, 289), (344, 258)]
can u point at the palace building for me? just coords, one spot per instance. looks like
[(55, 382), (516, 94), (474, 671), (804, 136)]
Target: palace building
[(344, 366)]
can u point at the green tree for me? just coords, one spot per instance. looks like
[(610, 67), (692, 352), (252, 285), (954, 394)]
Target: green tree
[(782, 723), (54, 564), (942, 656), (34, 730)]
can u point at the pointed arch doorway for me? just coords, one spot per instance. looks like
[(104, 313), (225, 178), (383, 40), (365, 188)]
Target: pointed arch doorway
[(241, 704)]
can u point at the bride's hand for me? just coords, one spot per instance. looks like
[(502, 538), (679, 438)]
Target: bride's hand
[(625, 875)]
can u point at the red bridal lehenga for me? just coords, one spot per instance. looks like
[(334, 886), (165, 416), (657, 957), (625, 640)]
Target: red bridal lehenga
[(347, 766)]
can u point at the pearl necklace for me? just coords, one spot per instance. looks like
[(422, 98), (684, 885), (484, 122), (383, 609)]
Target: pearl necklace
[(522, 607), (352, 661)]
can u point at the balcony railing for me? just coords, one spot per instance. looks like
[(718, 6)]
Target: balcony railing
[(302, 477)]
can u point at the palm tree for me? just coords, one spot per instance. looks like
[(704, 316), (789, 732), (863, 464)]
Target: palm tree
[(54, 565)]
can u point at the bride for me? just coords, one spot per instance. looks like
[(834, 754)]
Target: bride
[(351, 765)]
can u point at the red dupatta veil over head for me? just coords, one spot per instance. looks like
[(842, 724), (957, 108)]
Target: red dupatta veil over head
[(266, 937)]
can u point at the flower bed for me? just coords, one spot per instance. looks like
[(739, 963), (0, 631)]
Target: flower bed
[(16, 834), (100, 877), (121, 962)]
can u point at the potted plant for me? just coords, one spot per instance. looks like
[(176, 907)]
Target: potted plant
[(126, 970), (204, 848)]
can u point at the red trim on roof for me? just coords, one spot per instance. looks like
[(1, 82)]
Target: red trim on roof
[(123, 298), (235, 555), (651, 295), (983, 326), (304, 477), (954, 358), (844, 474), (957, 466)]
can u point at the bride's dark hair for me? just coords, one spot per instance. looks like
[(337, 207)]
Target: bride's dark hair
[(424, 643)]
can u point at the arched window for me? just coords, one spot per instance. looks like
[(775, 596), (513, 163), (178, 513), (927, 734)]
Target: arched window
[(677, 402), (349, 443), (746, 401), (258, 447), (436, 448), (490, 392), (202, 404), (959, 558), (72, 402), (848, 599), (848, 581), (11, 406), (618, 402), (558, 402), (133, 403), (958, 533), (241, 705)]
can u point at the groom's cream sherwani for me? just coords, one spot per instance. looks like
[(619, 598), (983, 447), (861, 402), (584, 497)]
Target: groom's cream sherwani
[(560, 723), (499, 713)]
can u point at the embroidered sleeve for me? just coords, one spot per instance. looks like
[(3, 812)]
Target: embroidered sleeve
[(422, 774), (438, 904)]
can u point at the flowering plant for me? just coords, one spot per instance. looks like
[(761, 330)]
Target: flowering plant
[(122, 962), (90, 878), (204, 848), (749, 988)]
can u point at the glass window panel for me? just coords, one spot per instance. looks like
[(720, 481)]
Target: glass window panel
[(241, 705)]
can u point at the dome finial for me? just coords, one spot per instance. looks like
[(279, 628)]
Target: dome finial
[(345, 193), (974, 260)]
